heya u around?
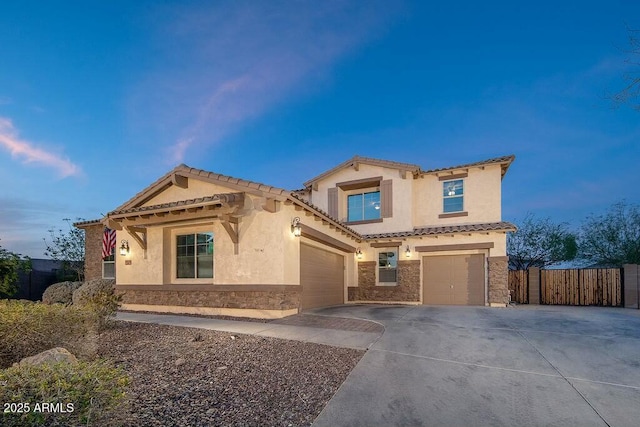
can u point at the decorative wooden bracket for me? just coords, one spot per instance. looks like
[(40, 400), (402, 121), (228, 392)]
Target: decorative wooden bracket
[(114, 225), (230, 224), (271, 205), (180, 181), (139, 234)]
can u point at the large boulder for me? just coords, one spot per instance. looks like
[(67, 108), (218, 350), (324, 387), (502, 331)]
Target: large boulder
[(57, 354), (61, 293)]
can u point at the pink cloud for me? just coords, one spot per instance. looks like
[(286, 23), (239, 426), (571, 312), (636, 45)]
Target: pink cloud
[(229, 63), (30, 154)]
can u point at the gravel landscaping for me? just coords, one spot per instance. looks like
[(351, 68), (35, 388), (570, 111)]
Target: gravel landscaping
[(194, 377)]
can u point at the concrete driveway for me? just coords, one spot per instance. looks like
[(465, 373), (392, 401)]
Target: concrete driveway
[(477, 366)]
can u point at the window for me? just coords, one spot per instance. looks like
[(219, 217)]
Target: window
[(388, 265), (109, 267), (194, 256), (453, 196), (363, 206)]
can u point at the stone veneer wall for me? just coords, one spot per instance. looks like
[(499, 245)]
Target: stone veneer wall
[(93, 251), (407, 289), (498, 280), (259, 297)]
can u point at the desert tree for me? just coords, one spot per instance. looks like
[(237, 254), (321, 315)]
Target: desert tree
[(540, 242), (67, 246), (630, 93), (613, 238), (10, 264)]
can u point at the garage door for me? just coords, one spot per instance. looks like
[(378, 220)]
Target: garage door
[(321, 277), (453, 279)]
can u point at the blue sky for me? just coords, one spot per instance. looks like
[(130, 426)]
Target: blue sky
[(99, 99)]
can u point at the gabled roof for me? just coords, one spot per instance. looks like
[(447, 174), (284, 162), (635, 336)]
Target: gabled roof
[(446, 229), (504, 161), (183, 170), (134, 205), (221, 198), (355, 160)]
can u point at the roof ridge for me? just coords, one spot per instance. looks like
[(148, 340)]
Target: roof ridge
[(370, 160), (502, 159)]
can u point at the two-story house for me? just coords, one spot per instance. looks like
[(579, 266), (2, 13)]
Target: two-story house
[(367, 230)]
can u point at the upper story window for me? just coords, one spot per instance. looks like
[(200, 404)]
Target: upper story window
[(194, 256), (363, 206), (453, 196)]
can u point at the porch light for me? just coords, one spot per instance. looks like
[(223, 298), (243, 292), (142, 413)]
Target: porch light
[(407, 252), (124, 248), (359, 253), (296, 227)]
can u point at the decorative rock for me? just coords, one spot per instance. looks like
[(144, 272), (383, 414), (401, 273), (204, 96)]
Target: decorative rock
[(53, 355), (180, 362)]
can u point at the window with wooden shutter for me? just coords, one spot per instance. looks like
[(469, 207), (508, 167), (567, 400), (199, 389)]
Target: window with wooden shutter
[(332, 205), (386, 198)]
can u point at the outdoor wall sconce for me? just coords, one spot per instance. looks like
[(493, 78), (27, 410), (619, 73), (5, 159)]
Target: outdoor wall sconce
[(407, 252), (124, 248), (359, 253), (296, 227)]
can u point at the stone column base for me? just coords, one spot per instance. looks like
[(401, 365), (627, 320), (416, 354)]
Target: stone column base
[(498, 281)]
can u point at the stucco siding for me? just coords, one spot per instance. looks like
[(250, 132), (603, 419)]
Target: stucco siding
[(196, 188), (482, 198), (401, 196)]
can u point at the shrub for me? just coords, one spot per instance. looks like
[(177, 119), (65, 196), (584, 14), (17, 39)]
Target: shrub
[(28, 328), (88, 392), (98, 296), (60, 292), (92, 290)]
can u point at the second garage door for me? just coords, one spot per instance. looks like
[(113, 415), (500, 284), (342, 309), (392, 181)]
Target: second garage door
[(321, 277), (453, 279)]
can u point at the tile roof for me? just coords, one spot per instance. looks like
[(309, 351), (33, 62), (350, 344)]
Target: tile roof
[(503, 159), (237, 181), (366, 160), (157, 186), (447, 229), (222, 198), (416, 169), (320, 211), (86, 223)]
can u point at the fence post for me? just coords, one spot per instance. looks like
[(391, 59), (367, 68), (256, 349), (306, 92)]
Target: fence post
[(630, 281), (534, 285)]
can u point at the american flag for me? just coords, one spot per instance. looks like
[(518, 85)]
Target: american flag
[(108, 242)]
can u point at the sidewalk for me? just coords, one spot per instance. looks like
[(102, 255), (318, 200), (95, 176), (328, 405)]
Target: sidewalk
[(338, 332)]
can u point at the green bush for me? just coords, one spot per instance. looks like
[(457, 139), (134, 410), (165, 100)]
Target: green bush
[(60, 292), (83, 393), (28, 328), (98, 296), (92, 289)]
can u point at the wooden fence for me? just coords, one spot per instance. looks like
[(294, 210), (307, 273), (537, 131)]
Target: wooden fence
[(519, 286), (590, 286)]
